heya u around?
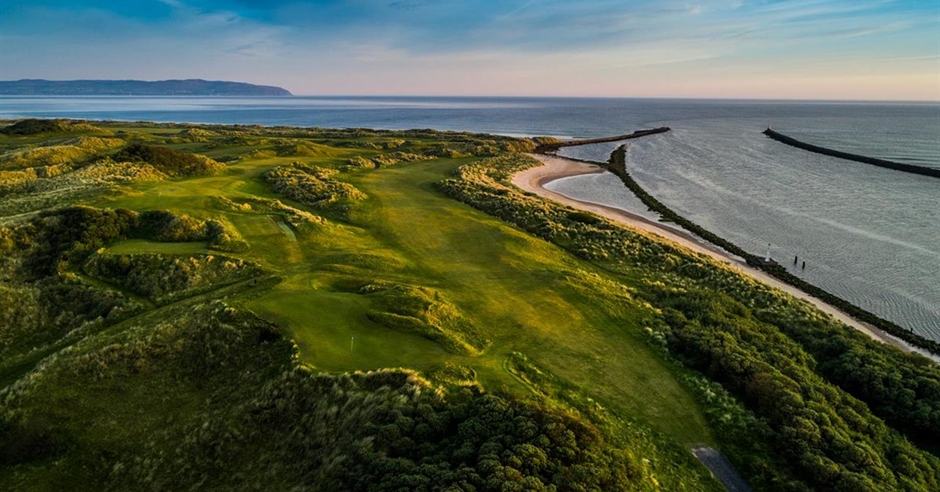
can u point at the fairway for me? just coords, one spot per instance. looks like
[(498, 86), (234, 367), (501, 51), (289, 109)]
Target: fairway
[(132, 246), (256, 225), (522, 292)]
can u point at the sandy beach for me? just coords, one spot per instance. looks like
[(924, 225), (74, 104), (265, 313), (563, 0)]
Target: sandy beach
[(553, 168)]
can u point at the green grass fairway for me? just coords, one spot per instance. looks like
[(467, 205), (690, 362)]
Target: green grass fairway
[(520, 291), (256, 225), (131, 246)]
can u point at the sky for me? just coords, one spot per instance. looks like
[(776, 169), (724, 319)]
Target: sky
[(778, 49)]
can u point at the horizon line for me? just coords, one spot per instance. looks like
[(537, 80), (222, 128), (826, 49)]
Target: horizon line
[(480, 96)]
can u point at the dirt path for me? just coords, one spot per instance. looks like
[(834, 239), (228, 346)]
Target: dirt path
[(553, 168), (719, 465)]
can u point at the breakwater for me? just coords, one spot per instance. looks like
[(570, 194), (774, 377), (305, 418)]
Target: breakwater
[(553, 146), (897, 166), (617, 165)]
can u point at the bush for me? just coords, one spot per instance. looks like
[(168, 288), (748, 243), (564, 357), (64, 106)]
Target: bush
[(36, 126), (169, 161), (166, 278), (313, 186)]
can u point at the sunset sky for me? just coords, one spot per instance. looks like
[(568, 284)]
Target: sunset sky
[(805, 49)]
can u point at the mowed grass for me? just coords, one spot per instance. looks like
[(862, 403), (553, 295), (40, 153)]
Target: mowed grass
[(256, 225), (522, 293), (132, 246), (525, 294)]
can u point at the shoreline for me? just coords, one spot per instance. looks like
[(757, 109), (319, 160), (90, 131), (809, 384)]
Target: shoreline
[(553, 168)]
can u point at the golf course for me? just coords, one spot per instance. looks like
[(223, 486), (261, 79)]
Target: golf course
[(197, 307)]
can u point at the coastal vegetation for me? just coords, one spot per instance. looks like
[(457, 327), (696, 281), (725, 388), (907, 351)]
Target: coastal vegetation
[(168, 161), (313, 309), (34, 126), (724, 325)]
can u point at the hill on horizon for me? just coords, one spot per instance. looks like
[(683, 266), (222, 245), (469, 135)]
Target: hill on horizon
[(188, 87)]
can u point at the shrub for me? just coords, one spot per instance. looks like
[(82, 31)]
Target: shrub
[(313, 186), (169, 161), (36, 126)]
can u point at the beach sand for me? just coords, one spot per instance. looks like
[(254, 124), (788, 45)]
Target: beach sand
[(534, 179)]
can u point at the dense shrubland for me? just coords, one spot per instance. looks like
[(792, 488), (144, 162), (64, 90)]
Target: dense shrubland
[(168, 161), (831, 439), (373, 144), (36, 314), (29, 191), (30, 127), (51, 160), (193, 135), (47, 176), (299, 220), (164, 278), (313, 186), (740, 333), (57, 240), (40, 259), (304, 149), (383, 160)]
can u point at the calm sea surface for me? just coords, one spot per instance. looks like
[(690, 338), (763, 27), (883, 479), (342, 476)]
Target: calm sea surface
[(867, 234)]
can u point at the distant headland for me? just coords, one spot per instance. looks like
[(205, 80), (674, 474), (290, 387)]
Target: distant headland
[(189, 87)]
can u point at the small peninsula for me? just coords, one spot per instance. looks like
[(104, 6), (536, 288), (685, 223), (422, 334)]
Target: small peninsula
[(188, 87)]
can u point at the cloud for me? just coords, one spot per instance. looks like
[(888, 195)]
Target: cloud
[(519, 9), (172, 3), (374, 41)]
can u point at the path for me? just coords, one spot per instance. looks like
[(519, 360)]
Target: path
[(719, 465)]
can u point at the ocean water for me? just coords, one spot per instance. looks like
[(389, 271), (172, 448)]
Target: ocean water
[(867, 234)]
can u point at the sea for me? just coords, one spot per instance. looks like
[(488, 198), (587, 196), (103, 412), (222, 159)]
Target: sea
[(867, 234)]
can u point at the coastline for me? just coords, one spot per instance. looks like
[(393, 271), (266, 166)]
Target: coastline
[(553, 168)]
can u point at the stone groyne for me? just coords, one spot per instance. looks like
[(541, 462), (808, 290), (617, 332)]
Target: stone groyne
[(553, 146), (897, 166), (617, 165)]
